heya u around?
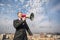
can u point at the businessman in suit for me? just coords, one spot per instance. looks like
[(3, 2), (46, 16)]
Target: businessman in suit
[(21, 26)]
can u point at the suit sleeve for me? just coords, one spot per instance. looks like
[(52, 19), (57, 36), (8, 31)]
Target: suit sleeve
[(28, 30), (16, 24)]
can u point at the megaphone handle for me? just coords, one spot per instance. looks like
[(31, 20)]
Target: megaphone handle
[(24, 18)]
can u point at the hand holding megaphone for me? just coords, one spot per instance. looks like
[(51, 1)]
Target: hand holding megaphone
[(24, 18)]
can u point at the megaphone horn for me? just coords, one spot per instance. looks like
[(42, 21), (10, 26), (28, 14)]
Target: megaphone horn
[(31, 16)]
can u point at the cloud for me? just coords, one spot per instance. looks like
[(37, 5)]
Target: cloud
[(38, 10), (22, 1), (55, 8), (16, 0), (9, 5), (7, 25), (1, 4), (41, 21)]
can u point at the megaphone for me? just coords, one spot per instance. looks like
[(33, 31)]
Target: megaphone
[(31, 16)]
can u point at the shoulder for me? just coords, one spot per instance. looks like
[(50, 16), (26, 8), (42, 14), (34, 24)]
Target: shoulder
[(15, 20)]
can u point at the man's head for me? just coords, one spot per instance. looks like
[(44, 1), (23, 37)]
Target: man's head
[(19, 14)]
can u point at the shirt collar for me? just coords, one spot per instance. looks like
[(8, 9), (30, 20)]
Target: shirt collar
[(19, 18)]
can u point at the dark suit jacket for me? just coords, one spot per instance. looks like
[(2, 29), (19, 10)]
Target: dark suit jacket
[(21, 27)]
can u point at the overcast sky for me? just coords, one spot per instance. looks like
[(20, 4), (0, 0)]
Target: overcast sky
[(47, 15)]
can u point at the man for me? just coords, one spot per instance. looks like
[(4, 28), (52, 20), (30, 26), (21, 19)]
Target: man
[(21, 26)]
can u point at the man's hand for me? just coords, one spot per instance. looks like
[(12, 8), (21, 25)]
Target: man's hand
[(24, 18)]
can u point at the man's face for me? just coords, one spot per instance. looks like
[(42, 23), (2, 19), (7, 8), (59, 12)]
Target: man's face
[(20, 15)]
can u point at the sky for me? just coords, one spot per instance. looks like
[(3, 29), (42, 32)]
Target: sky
[(46, 12)]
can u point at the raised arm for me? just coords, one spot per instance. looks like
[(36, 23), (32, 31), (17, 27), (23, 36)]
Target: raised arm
[(28, 30)]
